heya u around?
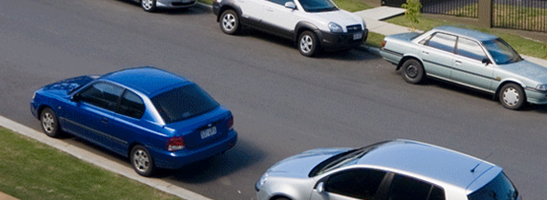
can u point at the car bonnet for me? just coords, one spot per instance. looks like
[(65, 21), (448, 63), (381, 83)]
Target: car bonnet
[(528, 70)]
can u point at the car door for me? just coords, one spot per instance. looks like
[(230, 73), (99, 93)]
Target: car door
[(437, 54), (469, 67), (127, 126), (350, 184), (279, 19), (251, 12), (409, 188), (89, 117)]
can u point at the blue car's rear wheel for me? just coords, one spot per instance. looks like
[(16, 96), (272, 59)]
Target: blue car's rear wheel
[(142, 161), (49, 123)]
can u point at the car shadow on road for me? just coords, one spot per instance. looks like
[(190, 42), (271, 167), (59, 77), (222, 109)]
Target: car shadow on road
[(347, 55), (243, 155)]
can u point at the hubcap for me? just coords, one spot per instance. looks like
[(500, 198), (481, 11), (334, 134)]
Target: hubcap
[(412, 71), (229, 22), (306, 44), (511, 96), (141, 160), (147, 4), (48, 122)]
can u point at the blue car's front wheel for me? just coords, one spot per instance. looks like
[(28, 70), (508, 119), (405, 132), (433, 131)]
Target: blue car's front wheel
[(49, 122), (142, 161)]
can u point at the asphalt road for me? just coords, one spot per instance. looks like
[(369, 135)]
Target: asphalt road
[(283, 103)]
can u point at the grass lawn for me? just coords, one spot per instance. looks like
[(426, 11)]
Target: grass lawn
[(521, 45), (32, 170), (374, 40)]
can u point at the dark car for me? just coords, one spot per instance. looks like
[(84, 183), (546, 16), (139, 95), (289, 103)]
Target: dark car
[(155, 118)]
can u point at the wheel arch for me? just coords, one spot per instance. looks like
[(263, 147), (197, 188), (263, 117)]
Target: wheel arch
[(130, 147), (228, 6), (305, 26), (408, 57), (505, 82), (41, 108), (280, 196)]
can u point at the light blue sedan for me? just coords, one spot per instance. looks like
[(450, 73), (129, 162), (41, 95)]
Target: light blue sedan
[(470, 58)]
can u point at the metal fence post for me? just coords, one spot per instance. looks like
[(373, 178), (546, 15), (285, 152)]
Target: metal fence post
[(486, 11)]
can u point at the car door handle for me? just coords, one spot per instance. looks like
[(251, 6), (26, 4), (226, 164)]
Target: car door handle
[(269, 9), (104, 121), (458, 62), (425, 52)]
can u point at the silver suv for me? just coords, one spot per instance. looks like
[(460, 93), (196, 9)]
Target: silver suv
[(312, 24)]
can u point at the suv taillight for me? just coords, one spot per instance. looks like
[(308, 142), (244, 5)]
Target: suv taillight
[(175, 143), (230, 123), (383, 43)]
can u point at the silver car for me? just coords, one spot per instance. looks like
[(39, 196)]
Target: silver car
[(391, 170), (153, 5), (470, 58)]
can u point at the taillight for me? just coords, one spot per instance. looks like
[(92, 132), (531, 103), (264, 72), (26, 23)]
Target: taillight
[(383, 43), (175, 143), (230, 123)]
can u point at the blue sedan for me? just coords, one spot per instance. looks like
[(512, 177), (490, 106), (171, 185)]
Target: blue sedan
[(156, 118)]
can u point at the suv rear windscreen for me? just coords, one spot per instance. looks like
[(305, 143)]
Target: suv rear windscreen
[(500, 188), (183, 103)]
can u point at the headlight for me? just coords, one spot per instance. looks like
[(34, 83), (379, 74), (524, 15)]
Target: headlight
[(33, 95), (364, 25), (335, 28), (261, 182), (542, 88)]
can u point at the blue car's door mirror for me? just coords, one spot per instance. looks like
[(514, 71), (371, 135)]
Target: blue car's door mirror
[(75, 97)]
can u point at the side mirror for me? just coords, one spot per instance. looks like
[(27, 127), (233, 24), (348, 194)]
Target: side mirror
[(486, 61), (320, 187), (290, 5), (75, 97)]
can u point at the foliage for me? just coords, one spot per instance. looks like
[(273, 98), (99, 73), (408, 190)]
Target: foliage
[(412, 11)]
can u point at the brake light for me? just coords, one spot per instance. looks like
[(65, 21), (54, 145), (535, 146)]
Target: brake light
[(230, 123), (175, 143), (383, 43)]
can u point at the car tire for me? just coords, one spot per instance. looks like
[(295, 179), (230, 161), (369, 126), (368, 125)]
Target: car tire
[(308, 45), (148, 5), (50, 123), (413, 71), (229, 22), (512, 96), (142, 161)]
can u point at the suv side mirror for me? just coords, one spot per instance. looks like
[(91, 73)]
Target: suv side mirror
[(290, 5), (320, 187)]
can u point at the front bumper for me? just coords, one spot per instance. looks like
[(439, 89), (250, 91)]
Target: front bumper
[(340, 41), (535, 97), (175, 3), (174, 160)]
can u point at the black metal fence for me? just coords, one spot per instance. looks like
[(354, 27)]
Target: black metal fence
[(520, 14), (462, 8), (528, 15)]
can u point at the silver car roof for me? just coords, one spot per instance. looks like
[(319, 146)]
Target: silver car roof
[(480, 36), (426, 160)]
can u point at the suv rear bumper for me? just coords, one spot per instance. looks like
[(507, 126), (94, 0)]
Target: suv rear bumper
[(340, 41)]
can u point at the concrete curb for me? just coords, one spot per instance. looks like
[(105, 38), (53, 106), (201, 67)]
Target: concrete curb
[(102, 162)]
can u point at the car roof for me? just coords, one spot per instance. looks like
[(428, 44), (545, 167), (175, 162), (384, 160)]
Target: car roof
[(480, 36), (148, 80), (426, 160)]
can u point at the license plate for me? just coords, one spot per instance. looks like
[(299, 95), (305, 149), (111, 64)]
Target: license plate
[(208, 132), (357, 36)]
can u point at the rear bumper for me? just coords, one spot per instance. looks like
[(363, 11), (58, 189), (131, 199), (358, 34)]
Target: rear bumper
[(175, 3), (174, 160), (340, 41)]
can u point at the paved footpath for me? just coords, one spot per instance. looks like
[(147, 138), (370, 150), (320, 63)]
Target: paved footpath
[(102, 162), (6, 197)]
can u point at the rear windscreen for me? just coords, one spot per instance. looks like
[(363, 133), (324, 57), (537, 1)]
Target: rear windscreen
[(500, 188), (183, 103)]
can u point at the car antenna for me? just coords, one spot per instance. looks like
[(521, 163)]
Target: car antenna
[(473, 170)]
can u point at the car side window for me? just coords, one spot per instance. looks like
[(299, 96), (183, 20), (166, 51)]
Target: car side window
[(470, 49), (280, 2), (103, 95), (131, 105), (357, 183), (407, 188), (442, 41)]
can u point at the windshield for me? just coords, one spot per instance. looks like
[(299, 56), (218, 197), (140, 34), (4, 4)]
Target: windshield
[(343, 159), (500, 188), (318, 5), (501, 52), (183, 103)]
